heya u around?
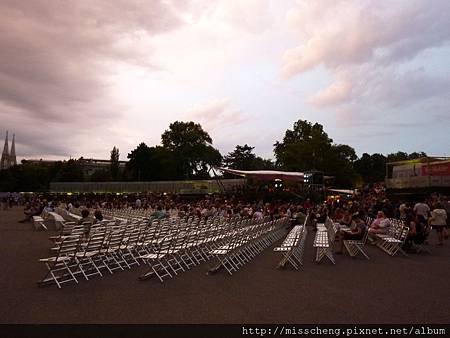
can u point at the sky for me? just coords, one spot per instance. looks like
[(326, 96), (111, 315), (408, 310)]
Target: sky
[(79, 77)]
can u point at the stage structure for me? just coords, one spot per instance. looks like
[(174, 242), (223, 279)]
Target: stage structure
[(307, 181)]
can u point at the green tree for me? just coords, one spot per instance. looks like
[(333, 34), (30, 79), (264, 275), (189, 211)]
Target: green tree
[(139, 163), (339, 163), (371, 168), (114, 167), (416, 155), (398, 156), (70, 171), (100, 175), (243, 158), (303, 148), (192, 147), (308, 147), (153, 164)]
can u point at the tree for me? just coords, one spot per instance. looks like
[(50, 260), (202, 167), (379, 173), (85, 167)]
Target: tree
[(339, 163), (371, 168), (114, 167), (153, 163), (243, 158), (100, 175), (303, 148), (308, 147), (139, 163), (192, 147), (398, 156), (416, 155), (70, 171)]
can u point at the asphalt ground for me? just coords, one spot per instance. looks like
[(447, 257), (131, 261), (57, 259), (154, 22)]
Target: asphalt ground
[(414, 289)]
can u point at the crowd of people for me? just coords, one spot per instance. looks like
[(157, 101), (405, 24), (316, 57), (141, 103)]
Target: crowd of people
[(352, 211), (373, 211)]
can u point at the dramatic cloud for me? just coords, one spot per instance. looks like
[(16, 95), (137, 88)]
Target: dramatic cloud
[(79, 77), (57, 57), (216, 114), (336, 93), (343, 33), (376, 52)]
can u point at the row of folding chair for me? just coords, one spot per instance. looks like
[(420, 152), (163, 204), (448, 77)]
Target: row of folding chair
[(122, 246), (183, 247), (393, 240), (293, 246), (244, 243), (324, 240), (105, 248)]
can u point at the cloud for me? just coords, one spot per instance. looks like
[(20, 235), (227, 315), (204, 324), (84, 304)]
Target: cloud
[(216, 114), (334, 94), (57, 60), (342, 33), (377, 52)]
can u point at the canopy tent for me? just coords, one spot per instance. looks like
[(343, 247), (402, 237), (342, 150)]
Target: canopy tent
[(267, 175), (343, 191)]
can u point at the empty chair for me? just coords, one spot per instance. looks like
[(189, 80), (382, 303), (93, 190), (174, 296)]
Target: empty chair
[(59, 266)]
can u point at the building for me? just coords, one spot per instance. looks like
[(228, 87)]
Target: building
[(8, 156), (427, 173), (88, 165)]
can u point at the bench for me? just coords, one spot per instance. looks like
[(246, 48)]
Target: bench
[(324, 240), (292, 247)]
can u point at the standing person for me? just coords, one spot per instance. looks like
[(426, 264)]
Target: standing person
[(438, 221), (422, 208), (138, 203)]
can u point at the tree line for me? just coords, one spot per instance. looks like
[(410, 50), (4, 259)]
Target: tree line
[(186, 152)]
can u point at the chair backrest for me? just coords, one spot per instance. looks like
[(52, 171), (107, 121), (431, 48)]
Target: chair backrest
[(95, 242), (78, 229), (403, 234), (365, 235), (132, 236), (115, 239), (69, 246)]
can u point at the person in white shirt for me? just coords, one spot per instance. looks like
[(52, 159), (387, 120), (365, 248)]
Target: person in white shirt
[(438, 221), (422, 209), (379, 226), (138, 203)]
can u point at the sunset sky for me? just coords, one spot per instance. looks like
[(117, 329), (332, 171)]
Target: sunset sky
[(79, 77)]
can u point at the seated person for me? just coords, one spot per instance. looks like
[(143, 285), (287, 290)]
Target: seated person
[(357, 231), (380, 225), (86, 221), (346, 218), (31, 210), (338, 215), (322, 215), (159, 213), (98, 217)]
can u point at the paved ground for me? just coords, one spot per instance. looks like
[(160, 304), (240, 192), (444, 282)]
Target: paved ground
[(382, 290)]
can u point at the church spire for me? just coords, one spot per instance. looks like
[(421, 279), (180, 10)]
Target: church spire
[(4, 164), (12, 153)]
